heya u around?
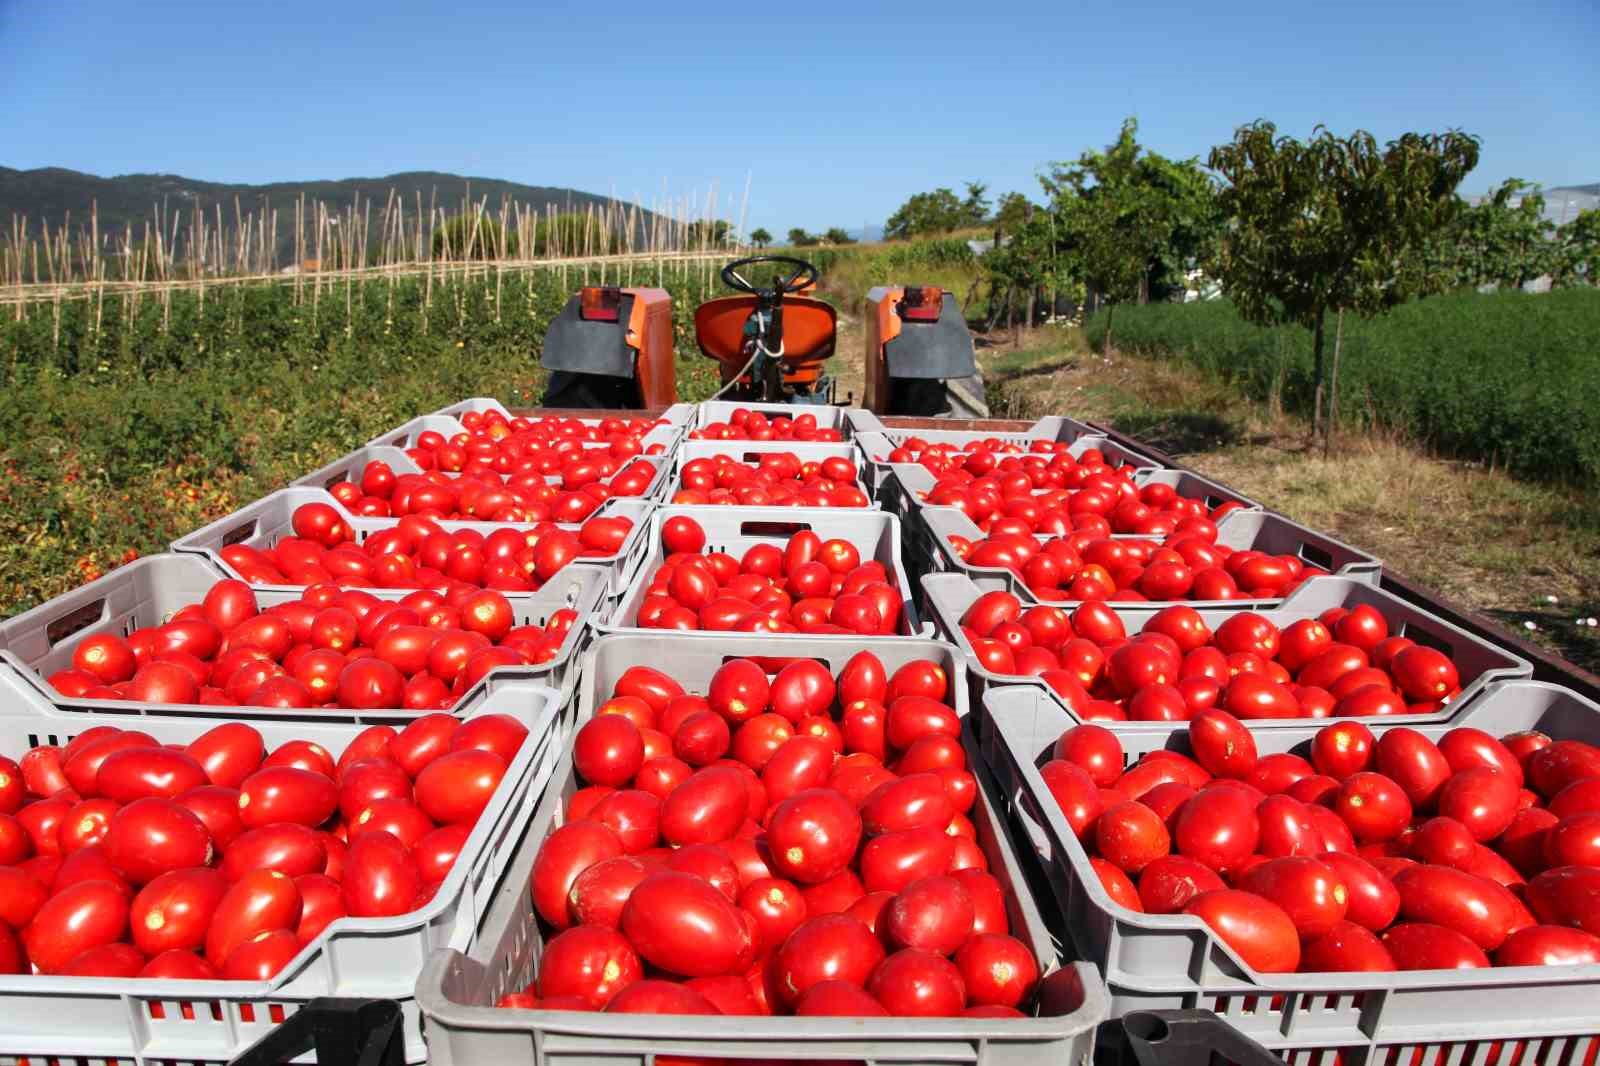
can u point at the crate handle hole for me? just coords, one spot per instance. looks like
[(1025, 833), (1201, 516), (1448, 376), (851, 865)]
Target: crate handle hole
[(1147, 1027), (772, 529), (74, 622), (1316, 556), (242, 532)]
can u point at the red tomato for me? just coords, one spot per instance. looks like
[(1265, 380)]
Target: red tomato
[(567, 852), (932, 913), (590, 962), (1374, 807), (380, 879), (1413, 762), (1258, 930), (1482, 799), (608, 750), (1312, 895), (1222, 744), (708, 808), (174, 910), (832, 947), (286, 794), (1548, 945), (261, 901), (1346, 947), (998, 970), (1217, 827), (1131, 836), (1423, 946), (85, 915), (685, 926), (918, 983), (455, 788), (813, 835), (150, 836), (1474, 906), (599, 893), (892, 861)]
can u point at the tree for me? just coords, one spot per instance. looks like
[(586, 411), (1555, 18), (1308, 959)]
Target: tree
[(838, 236), (708, 233), (975, 208), (1119, 213), (1332, 225), (800, 238), (1503, 240), (473, 236), (926, 213), (760, 237), (1578, 256), (1014, 210)]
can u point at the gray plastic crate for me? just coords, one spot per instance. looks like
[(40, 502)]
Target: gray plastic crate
[(876, 445), (82, 1019), (736, 530), (903, 487), (1174, 961), (478, 404), (147, 592), (349, 467), (1479, 662), (263, 523), (457, 990), (750, 452), (1194, 487), (827, 415), (1262, 531)]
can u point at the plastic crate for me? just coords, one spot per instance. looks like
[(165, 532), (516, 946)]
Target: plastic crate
[(902, 487), (457, 990), (147, 592), (263, 523), (1174, 961), (1479, 662), (93, 1019), (827, 415), (349, 467), (476, 404), (1194, 487), (750, 452), (736, 530), (1261, 531), (405, 436)]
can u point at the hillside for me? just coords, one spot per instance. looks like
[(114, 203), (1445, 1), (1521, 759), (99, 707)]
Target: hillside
[(53, 194)]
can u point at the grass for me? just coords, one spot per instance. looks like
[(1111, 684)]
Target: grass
[(1503, 546), (1507, 378)]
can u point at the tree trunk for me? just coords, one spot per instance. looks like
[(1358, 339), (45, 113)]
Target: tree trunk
[(1111, 311), (1333, 386), (1033, 294), (1316, 377)]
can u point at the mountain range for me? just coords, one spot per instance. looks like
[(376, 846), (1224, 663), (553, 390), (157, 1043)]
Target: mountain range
[(52, 194)]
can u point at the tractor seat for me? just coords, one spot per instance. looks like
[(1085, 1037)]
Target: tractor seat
[(808, 329)]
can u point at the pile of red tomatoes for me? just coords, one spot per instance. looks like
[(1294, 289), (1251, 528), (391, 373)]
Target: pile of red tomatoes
[(495, 443), (775, 479), (1080, 499), (790, 844), (745, 424), (587, 480), (332, 647), (1393, 852), (123, 857), (1343, 663), (417, 553), (809, 585), (1189, 566), (977, 457)]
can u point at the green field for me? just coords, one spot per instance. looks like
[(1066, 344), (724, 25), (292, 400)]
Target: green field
[(123, 427), (1509, 379)]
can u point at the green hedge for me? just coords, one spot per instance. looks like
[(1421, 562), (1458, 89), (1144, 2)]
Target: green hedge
[(1507, 378)]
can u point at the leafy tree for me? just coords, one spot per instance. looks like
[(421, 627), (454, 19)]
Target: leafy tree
[(838, 236), (1504, 240), (1014, 210), (1120, 214), (1332, 225), (975, 208), (760, 237), (709, 233), (1578, 255), (800, 238), (939, 211), (472, 236)]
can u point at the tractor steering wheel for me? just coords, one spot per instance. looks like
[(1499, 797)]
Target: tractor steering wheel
[(803, 275)]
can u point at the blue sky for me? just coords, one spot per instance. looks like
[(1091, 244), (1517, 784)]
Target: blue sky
[(836, 113)]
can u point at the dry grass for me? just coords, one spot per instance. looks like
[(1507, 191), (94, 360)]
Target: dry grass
[(1502, 546)]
